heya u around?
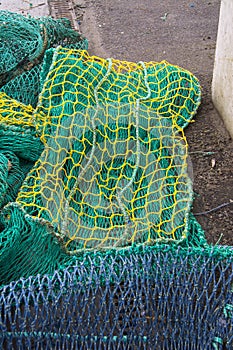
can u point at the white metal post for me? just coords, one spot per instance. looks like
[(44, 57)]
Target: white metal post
[(222, 84)]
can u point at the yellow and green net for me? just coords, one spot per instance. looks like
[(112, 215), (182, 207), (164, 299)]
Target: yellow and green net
[(113, 171)]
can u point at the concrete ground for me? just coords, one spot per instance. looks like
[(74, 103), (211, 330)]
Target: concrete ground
[(32, 7)]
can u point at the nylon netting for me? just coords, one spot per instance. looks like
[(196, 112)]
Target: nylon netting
[(152, 298), (98, 245), (20, 146), (23, 43), (113, 171)]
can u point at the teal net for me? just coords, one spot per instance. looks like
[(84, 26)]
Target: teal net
[(23, 43), (25, 87)]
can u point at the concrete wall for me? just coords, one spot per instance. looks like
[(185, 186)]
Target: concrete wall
[(222, 85)]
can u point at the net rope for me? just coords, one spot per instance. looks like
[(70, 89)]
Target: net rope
[(113, 171), (23, 43), (160, 297)]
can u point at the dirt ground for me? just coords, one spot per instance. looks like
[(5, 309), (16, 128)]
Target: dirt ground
[(183, 33)]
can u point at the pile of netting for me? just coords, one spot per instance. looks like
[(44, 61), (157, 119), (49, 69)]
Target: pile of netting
[(23, 43), (99, 248), (158, 297)]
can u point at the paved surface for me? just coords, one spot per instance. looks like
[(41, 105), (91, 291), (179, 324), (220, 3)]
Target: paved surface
[(31, 7)]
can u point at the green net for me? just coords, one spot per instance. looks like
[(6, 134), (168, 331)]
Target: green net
[(30, 247), (111, 160), (23, 42), (25, 87), (120, 181), (114, 168), (20, 146)]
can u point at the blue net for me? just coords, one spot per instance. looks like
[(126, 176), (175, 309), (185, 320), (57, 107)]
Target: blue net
[(148, 298)]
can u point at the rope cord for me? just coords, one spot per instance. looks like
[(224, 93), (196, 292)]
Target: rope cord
[(215, 209)]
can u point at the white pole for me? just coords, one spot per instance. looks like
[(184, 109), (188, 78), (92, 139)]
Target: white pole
[(222, 84)]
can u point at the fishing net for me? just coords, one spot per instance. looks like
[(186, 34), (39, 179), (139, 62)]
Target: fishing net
[(113, 171), (111, 160), (99, 248), (20, 146), (23, 42), (25, 87), (148, 298)]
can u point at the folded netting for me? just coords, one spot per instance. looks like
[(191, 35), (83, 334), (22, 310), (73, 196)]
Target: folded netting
[(120, 182), (19, 129), (20, 146), (11, 177), (30, 247), (23, 42), (114, 169), (25, 39), (147, 298), (25, 87), (74, 76)]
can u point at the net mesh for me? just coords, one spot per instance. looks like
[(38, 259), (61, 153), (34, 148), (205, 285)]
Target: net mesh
[(152, 298), (23, 42), (98, 245), (20, 146), (25, 87), (113, 171)]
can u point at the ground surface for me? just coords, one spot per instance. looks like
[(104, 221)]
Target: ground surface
[(183, 33)]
